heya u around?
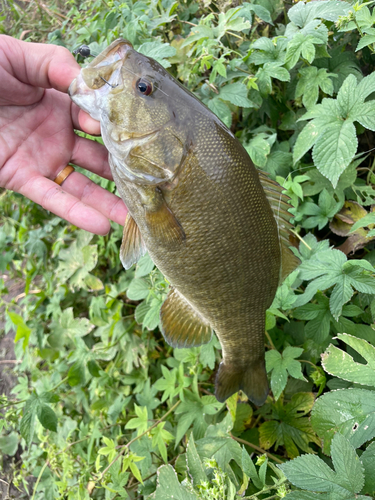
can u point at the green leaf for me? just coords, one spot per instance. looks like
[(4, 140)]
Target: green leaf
[(76, 374), (365, 41), (258, 149), (138, 289), (300, 45), (65, 325), (348, 411), (347, 465), (249, 469), (140, 422), (22, 331), (236, 93), (305, 140), (47, 417), (289, 427), (308, 85), (169, 488), (194, 464), (27, 425), (368, 462), (221, 110), (340, 364), (9, 444), (335, 149), (363, 222), (268, 71), (158, 51), (310, 473), (282, 364), (192, 410), (144, 266)]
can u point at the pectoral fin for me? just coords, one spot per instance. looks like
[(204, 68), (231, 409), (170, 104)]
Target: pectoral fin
[(161, 221), (132, 246), (182, 326)]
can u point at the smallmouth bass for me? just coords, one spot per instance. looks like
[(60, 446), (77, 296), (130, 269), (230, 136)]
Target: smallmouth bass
[(216, 227)]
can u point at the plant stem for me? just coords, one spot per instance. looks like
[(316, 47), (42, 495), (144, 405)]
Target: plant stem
[(257, 448), (127, 445), (270, 340)]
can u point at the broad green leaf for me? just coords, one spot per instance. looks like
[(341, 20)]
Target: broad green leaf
[(194, 464), (310, 473), (308, 85), (76, 374), (47, 417), (158, 51), (268, 71), (9, 444), (368, 462), (258, 149), (221, 110), (300, 45), (341, 364), (67, 326), (335, 149), (363, 222), (144, 266), (347, 465), (236, 93), (169, 488), (305, 140), (139, 289), (348, 411)]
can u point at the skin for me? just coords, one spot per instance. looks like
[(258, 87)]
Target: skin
[(37, 138)]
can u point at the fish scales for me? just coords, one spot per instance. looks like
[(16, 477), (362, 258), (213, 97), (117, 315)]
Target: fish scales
[(203, 215)]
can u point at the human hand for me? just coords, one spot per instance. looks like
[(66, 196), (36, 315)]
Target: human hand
[(37, 139)]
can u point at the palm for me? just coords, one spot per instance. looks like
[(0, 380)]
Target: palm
[(38, 141)]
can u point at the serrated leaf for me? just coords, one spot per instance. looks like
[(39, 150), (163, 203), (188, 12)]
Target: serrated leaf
[(169, 487), (368, 462), (310, 473), (194, 464), (158, 51), (341, 364), (347, 465), (236, 93), (258, 149), (335, 149), (348, 411), (305, 140)]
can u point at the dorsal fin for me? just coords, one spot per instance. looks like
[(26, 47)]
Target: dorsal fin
[(280, 204)]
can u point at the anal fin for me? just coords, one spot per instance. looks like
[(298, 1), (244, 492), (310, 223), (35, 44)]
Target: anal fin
[(182, 326), (132, 246)]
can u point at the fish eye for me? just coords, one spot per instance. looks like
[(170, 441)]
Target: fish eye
[(144, 86)]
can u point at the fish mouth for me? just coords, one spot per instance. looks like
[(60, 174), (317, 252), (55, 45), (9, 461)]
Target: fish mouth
[(116, 51)]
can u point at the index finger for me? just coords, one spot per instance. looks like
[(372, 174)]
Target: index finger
[(39, 64)]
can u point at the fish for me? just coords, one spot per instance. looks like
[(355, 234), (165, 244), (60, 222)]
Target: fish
[(215, 226)]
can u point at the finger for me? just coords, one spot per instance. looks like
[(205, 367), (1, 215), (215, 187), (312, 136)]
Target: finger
[(83, 121), (52, 197), (92, 156), (40, 65), (110, 205)]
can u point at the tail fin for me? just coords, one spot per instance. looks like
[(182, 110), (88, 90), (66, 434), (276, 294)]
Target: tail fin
[(252, 380)]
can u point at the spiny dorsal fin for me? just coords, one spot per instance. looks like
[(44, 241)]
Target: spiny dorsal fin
[(280, 204), (181, 325)]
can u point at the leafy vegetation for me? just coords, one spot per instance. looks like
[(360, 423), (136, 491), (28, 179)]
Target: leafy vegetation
[(102, 407)]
